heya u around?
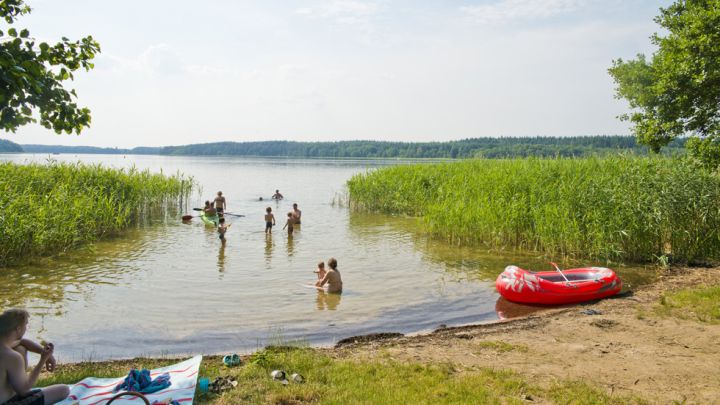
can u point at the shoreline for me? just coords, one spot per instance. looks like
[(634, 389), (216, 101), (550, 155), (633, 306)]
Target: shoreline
[(624, 349)]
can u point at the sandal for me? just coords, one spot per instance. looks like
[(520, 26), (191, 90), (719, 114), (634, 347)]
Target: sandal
[(222, 384)]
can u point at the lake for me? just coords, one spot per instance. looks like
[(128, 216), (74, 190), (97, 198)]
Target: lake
[(171, 288)]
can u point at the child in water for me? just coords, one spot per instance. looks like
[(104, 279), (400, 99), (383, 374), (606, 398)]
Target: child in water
[(289, 223), (269, 220), (320, 271), (222, 228)]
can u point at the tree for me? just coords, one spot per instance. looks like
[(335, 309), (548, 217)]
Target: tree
[(32, 76), (677, 92)]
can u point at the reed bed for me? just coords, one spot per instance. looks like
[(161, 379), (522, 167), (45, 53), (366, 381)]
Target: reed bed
[(46, 209), (618, 208)]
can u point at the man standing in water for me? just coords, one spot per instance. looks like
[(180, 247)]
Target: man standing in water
[(15, 384), (220, 205), (296, 213), (277, 195)]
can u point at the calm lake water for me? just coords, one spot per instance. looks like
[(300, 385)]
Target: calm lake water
[(170, 288)]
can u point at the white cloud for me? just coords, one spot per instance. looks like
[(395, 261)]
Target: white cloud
[(342, 10), (158, 59), (155, 59), (505, 10)]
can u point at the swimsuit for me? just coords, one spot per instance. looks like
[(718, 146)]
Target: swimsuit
[(34, 397), (268, 224)]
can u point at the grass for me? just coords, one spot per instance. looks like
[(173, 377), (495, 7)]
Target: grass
[(701, 304), (50, 208), (340, 381), (624, 208)]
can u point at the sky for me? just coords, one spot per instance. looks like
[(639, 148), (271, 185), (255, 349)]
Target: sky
[(175, 72)]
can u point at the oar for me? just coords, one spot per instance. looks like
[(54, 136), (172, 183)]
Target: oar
[(224, 213), (233, 214), (561, 273)]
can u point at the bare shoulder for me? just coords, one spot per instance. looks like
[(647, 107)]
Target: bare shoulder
[(9, 357)]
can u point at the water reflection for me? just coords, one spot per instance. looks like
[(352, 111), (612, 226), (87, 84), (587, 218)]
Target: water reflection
[(47, 285), (463, 263), (150, 280), (268, 248), (290, 245), (506, 309), (327, 301), (221, 258)]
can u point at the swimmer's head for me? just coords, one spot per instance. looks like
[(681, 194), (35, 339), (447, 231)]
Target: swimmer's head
[(268, 209)]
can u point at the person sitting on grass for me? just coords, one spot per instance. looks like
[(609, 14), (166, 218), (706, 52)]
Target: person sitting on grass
[(15, 384)]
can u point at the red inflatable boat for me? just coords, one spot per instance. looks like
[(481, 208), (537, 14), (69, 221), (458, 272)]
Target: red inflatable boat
[(557, 287)]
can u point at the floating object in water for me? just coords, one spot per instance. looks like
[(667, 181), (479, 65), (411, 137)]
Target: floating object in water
[(557, 287), (210, 220)]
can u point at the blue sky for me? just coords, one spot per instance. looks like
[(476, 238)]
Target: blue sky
[(179, 72)]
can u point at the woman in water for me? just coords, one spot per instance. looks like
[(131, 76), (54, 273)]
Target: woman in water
[(332, 278)]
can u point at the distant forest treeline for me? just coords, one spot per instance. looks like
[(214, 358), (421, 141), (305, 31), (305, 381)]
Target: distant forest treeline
[(576, 146)]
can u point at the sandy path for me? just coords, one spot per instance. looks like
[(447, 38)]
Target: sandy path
[(626, 349)]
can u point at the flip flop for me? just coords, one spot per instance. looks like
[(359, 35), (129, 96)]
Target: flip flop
[(222, 384)]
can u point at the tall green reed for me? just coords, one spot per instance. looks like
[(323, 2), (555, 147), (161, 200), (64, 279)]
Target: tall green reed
[(46, 209), (617, 208)]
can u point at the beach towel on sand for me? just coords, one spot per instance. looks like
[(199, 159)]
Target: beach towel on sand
[(96, 391)]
